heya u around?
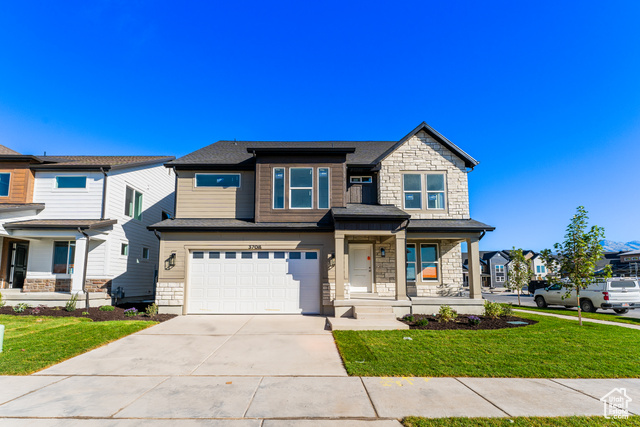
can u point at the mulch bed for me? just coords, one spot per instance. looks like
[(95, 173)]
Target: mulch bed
[(462, 322), (94, 313)]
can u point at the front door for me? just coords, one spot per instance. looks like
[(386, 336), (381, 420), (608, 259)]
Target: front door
[(18, 263), (360, 264)]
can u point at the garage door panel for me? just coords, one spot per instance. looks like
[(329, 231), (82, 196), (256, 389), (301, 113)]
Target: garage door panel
[(254, 282)]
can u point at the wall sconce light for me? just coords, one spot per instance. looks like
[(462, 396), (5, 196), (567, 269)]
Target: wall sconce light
[(332, 260), (382, 252), (171, 261)]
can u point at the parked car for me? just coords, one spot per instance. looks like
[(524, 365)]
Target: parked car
[(536, 284), (619, 294)]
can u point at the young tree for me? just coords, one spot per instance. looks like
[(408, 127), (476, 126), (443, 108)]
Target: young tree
[(551, 264), (578, 255), (520, 271)]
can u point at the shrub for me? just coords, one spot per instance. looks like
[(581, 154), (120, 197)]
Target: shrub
[(85, 313), (131, 312), (20, 308), (37, 310), (447, 314), (151, 310), (409, 318), (2, 303), (71, 304), (474, 320), (506, 309), (106, 308), (422, 322), (492, 309)]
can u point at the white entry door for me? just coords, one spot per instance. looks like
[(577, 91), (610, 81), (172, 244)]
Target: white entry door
[(254, 282), (360, 267)]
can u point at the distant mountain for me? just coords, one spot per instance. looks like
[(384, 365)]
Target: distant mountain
[(611, 246)]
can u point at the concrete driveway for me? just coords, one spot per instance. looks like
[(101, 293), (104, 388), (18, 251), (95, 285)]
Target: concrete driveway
[(242, 345)]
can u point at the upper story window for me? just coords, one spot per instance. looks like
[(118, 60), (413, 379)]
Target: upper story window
[(278, 188), (224, 180), (301, 188), (133, 204), (323, 188), (429, 186), (71, 182), (5, 180), (499, 268), (360, 180)]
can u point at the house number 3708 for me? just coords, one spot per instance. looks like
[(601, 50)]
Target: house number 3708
[(255, 246)]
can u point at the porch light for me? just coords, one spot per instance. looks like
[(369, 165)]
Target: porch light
[(171, 261), (382, 252)]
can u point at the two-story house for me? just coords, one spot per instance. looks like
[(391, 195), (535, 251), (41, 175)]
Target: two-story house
[(320, 227), (70, 224)]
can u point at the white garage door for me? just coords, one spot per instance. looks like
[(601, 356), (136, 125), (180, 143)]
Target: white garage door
[(254, 282)]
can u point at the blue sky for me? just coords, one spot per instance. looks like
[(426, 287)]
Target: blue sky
[(545, 94)]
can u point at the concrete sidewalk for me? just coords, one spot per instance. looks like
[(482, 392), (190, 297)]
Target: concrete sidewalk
[(291, 401)]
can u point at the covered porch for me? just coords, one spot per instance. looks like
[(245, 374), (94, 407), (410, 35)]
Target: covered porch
[(57, 255), (387, 265)]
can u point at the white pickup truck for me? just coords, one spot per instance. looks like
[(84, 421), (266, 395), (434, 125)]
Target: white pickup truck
[(620, 294)]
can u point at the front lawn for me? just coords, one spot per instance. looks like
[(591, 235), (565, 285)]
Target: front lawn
[(32, 343), (519, 421), (552, 348), (598, 316)]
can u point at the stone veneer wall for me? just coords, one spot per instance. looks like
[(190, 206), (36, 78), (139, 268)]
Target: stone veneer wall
[(423, 153), (47, 285), (98, 285), (169, 294), (450, 271)]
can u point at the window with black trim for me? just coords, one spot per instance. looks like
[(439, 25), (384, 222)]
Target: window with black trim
[(301, 188), (224, 180), (429, 263)]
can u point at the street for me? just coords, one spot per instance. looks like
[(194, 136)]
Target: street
[(527, 301)]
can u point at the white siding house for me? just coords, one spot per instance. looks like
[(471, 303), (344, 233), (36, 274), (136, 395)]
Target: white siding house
[(80, 200)]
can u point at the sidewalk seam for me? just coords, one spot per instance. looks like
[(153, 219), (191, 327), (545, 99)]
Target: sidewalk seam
[(137, 398), (482, 397), (244, 415), (66, 377), (366, 390)]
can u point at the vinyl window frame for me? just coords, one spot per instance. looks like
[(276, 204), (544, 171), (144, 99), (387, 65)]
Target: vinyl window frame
[(499, 268), (443, 191), (424, 192), (284, 188), (291, 188), (436, 262), (124, 249), (8, 184), (421, 192), (148, 253), (195, 180), (71, 189), (414, 262), (70, 262), (328, 187), (134, 206), (361, 180)]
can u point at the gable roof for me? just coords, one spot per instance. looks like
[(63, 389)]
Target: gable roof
[(365, 153), (7, 151), (469, 161), (97, 162)]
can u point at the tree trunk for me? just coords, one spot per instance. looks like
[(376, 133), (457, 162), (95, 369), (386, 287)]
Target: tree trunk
[(518, 297), (579, 308)]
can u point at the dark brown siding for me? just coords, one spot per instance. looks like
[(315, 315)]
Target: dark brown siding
[(21, 185), (264, 178)]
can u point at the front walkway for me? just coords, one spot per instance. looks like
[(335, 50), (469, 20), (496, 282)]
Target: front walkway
[(265, 371)]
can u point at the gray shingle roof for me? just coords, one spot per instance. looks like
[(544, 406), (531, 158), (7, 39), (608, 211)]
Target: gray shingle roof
[(60, 224), (235, 152), (224, 224), (5, 207), (445, 225), (111, 162), (7, 151), (357, 211)]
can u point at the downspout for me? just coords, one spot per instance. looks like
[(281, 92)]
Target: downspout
[(84, 271), (155, 285), (482, 235), (104, 193), (175, 196)]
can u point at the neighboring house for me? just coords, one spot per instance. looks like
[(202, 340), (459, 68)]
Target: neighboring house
[(320, 227), (493, 268), (623, 264), (538, 267), (70, 223)]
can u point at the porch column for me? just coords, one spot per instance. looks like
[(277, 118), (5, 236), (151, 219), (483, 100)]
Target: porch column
[(78, 264), (401, 266), (339, 266), (475, 284)]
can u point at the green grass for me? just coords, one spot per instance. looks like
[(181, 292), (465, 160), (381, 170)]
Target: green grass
[(33, 343), (552, 348), (598, 316), (519, 422)]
